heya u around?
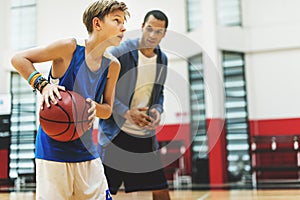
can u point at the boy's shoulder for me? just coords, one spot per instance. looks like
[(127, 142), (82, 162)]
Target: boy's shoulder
[(125, 47), (129, 44), (79, 41), (109, 56)]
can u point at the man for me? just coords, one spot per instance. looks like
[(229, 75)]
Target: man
[(73, 170), (127, 141)]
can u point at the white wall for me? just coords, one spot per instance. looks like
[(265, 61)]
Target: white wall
[(213, 73), (273, 84), (271, 24), (272, 29), (266, 13), (65, 20), (174, 11), (176, 104), (266, 25), (269, 37), (58, 19), (4, 46)]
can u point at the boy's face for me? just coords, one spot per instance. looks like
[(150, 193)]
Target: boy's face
[(153, 31), (113, 27)]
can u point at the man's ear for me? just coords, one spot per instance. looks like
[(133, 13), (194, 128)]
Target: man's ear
[(165, 33), (97, 23)]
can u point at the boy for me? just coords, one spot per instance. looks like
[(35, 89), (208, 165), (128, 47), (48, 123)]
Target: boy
[(73, 169)]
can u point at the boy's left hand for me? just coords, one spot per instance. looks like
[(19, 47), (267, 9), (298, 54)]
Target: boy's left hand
[(91, 111)]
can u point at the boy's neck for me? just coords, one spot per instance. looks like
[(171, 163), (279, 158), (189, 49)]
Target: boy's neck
[(93, 54), (94, 49)]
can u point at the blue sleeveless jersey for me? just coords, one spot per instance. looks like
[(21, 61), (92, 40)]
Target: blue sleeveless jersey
[(89, 84)]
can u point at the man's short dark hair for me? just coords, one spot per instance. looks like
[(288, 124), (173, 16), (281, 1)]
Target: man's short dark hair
[(158, 15)]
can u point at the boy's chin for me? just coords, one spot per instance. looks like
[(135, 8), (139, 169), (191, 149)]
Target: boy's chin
[(116, 42)]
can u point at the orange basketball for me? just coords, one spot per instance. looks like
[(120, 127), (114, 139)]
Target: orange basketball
[(68, 119)]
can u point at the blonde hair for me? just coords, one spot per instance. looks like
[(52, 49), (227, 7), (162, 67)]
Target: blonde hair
[(100, 9)]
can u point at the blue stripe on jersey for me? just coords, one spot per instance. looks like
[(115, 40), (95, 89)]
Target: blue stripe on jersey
[(89, 84)]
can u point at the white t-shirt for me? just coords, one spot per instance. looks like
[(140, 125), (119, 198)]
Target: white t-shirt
[(146, 71)]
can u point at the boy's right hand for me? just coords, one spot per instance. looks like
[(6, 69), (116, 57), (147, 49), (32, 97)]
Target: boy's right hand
[(48, 94)]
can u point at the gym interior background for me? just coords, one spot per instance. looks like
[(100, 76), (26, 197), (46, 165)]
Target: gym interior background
[(232, 104)]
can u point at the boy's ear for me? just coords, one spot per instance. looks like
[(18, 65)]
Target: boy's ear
[(97, 24)]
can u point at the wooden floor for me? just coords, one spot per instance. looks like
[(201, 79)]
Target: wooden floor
[(190, 195)]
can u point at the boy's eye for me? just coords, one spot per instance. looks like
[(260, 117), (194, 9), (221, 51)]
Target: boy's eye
[(119, 21)]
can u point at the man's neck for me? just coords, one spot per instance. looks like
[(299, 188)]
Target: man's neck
[(149, 52)]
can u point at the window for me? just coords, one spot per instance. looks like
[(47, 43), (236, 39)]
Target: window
[(193, 14), (198, 121), (23, 127), (237, 132), (23, 24), (23, 110), (229, 12)]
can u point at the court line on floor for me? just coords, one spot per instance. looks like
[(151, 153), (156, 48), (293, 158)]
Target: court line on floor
[(205, 196)]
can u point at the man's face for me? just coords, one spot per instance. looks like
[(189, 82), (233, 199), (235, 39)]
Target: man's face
[(153, 31)]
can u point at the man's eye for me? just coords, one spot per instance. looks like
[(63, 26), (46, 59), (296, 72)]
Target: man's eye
[(149, 29)]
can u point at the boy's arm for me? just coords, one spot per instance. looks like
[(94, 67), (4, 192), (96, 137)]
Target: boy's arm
[(104, 110), (58, 52), (120, 108)]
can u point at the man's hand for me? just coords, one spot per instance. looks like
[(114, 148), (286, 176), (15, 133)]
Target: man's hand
[(139, 117), (155, 116)]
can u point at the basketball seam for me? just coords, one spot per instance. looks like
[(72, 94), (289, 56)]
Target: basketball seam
[(65, 123), (76, 124), (82, 117), (62, 122), (75, 110)]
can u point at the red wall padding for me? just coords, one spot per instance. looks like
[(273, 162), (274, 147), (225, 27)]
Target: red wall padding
[(279, 163), (275, 127), (3, 164)]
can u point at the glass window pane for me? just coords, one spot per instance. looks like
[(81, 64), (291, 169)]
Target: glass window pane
[(193, 14), (18, 3), (23, 127), (23, 26), (229, 13), (198, 119), (236, 116)]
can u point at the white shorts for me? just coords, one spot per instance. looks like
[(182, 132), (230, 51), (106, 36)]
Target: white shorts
[(71, 181)]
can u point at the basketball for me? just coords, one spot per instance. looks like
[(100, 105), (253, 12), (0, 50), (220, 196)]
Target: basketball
[(68, 119)]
